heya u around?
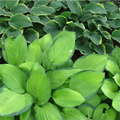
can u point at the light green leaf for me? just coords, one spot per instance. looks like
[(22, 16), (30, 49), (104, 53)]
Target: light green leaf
[(20, 21), (45, 42), (58, 77), (112, 67), (116, 55), (34, 52), (42, 10), (48, 111), (117, 79), (67, 97), (95, 8), (73, 114), (59, 52), (94, 101), (109, 88), (104, 112), (116, 35), (26, 116), (91, 62), (7, 118), (38, 85), (12, 103), (88, 79), (74, 6), (15, 50), (13, 77), (116, 103)]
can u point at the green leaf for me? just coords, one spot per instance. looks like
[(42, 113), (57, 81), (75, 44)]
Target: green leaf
[(34, 52), (7, 118), (112, 67), (59, 52), (88, 79), (38, 85), (117, 79), (12, 103), (59, 76), (74, 7), (73, 114), (67, 97), (116, 35), (13, 77), (94, 100), (95, 8), (116, 55), (20, 8), (48, 111), (31, 34), (20, 21), (41, 2), (116, 103), (109, 88), (26, 116), (45, 42), (42, 10), (15, 50), (91, 62), (104, 112), (106, 35)]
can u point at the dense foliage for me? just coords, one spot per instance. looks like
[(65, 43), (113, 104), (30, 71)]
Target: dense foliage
[(40, 81), (96, 22)]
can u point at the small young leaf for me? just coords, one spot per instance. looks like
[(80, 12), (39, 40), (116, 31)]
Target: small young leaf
[(67, 97), (91, 61), (13, 77), (109, 88), (20, 21), (12, 103), (112, 67), (58, 77), (34, 52), (88, 79), (48, 111), (15, 50), (38, 85)]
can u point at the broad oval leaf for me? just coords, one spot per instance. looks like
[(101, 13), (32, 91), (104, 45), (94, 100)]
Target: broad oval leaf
[(116, 103), (20, 21), (88, 79), (58, 77), (73, 114), (116, 35), (95, 8), (59, 52), (67, 97), (91, 62), (12, 103), (38, 85), (42, 10), (15, 50), (109, 88), (48, 111), (13, 77)]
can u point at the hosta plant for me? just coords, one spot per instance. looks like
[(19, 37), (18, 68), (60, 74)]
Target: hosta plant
[(40, 81)]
